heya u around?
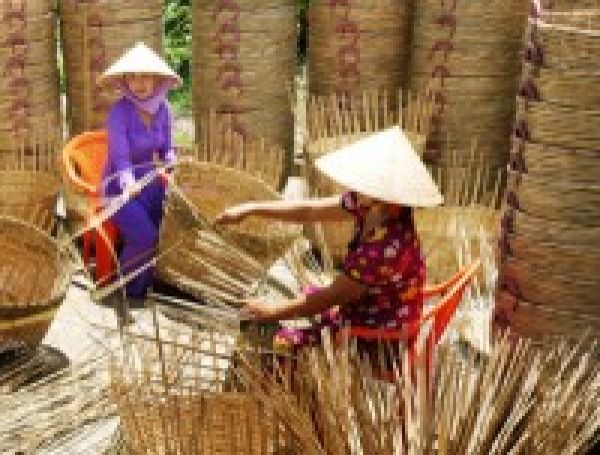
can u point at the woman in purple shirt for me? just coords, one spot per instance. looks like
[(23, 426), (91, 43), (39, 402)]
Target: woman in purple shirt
[(139, 136)]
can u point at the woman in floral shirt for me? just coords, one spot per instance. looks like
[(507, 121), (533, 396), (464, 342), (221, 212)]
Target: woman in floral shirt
[(384, 271)]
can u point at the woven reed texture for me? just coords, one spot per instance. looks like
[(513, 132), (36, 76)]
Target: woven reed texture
[(357, 45), (29, 98), (34, 277), (551, 224), (244, 57), (211, 188), (465, 55), (336, 120), (94, 34), (29, 181), (207, 409)]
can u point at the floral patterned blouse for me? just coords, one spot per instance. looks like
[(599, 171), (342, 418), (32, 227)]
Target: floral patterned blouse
[(387, 260)]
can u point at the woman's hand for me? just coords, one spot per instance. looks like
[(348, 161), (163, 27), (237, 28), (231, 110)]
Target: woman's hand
[(255, 310), (234, 215)]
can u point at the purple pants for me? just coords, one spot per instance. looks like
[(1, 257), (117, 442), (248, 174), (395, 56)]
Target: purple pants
[(138, 222)]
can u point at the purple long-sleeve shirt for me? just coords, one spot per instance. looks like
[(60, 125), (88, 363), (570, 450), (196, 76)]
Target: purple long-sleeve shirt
[(131, 143)]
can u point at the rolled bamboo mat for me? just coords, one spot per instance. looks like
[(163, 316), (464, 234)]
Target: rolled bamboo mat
[(465, 56), (244, 59), (29, 86), (357, 45), (34, 277), (551, 223), (94, 34), (337, 120)]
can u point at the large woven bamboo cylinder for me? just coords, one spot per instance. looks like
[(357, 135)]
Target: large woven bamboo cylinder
[(29, 101), (95, 33), (357, 45), (551, 228), (244, 55), (466, 55)]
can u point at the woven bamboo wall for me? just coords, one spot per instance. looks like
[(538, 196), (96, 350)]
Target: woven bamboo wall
[(357, 45), (95, 33), (551, 228), (244, 55), (466, 55), (29, 100)]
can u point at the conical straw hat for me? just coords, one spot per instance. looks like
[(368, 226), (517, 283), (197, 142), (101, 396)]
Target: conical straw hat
[(140, 59), (383, 166)]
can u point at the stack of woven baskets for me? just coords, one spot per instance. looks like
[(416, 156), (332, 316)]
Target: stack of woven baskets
[(465, 54), (29, 105), (551, 229), (244, 59), (357, 45), (95, 33)]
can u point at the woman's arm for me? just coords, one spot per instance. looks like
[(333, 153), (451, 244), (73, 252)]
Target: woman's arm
[(308, 210), (343, 290)]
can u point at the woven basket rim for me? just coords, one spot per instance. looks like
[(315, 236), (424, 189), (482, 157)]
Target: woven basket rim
[(64, 277), (545, 25), (279, 230)]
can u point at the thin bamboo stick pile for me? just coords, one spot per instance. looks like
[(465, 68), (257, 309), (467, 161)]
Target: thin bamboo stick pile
[(34, 277), (94, 34), (335, 121), (551, 223), (466, 222), (29, 98), (465, 56), (519, 400), (355, 46), (244, 56), (61, 412), (177, 390)]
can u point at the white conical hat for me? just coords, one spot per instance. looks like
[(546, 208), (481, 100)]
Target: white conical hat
[(383, 166), (139, 59)]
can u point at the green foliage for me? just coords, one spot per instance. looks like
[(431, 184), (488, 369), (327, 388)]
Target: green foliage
[(178, 49)]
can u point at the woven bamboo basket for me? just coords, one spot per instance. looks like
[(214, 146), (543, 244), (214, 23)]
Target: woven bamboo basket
[(560, 232), (356, 46), (566, 88), (540, 322), (567, 5), (578, 166), (465, 56), (95, 33), (549, 289), (244, 57), (559, 126), (29, 98), (35, 277), (334, 122), (184, 391), (569, 39), (211, 188), (555, 200), (29, 182)]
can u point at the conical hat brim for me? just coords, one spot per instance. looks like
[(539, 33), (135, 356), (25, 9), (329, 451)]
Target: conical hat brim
[(140, 59), (383, 166)]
